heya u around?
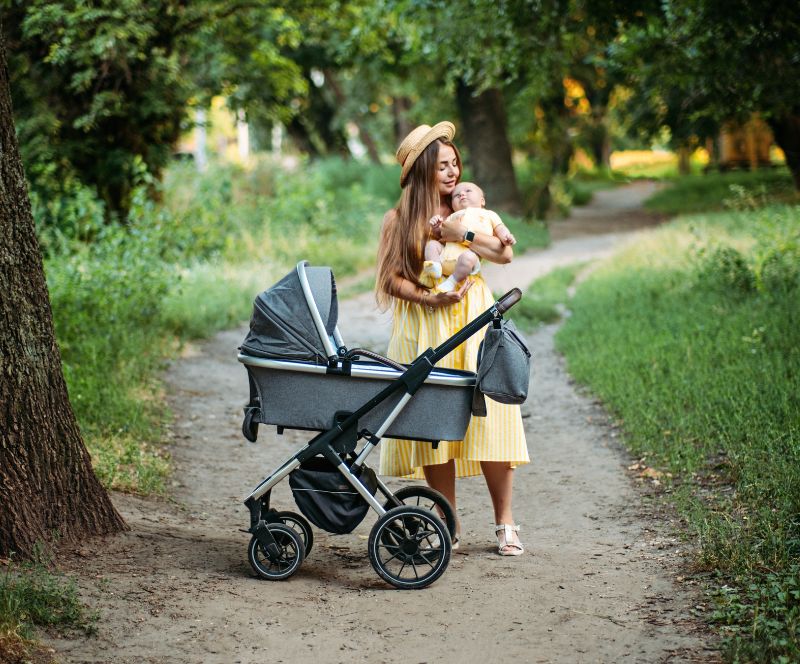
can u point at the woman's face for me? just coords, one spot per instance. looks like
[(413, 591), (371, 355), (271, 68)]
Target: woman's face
[(446, 170)]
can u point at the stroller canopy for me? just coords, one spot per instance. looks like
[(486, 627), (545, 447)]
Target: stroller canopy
[(296, 318)]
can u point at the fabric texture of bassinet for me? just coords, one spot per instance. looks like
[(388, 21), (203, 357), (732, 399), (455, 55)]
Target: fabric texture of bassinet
[(302, 376)]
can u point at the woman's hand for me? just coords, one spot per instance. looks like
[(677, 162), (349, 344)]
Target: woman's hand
[(452, 229), (436, 300)]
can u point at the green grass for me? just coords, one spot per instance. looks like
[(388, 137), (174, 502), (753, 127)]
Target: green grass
[(530, 234), (32, 596), (544, 300), (692, 339), (717, 191)]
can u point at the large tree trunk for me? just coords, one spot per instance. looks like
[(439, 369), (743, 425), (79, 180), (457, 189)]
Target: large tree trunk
[(47, 487), (787, 135), (486, 137)]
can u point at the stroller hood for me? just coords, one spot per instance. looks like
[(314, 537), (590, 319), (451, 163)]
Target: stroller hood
[(288, 321)]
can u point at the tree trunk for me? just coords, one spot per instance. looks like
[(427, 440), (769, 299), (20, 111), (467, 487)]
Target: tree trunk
[(786, 130), (402, 127), (486, 137), (363, 132), (600, 142), (48, 490), (684, 160)]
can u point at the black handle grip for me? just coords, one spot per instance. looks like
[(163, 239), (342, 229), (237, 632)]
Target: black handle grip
[(508, 300)]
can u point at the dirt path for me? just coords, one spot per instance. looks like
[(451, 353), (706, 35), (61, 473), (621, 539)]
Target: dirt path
[(597, 584)]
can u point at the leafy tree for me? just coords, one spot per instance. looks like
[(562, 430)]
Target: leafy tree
[(47, 487), (702, 62), (103, 89)]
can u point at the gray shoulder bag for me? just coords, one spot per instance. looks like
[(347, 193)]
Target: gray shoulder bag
[(504, 364)]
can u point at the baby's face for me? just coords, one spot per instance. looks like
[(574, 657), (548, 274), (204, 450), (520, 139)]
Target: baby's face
[(467, 194)]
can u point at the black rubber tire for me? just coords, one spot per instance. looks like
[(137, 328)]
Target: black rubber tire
[(299, 524), (404, 539), (419, 495), (289, 560)]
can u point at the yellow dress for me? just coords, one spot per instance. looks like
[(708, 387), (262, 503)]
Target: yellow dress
[(497, 437)]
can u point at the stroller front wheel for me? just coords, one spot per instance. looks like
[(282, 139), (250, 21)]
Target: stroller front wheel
[(409, 547), (297, 523), (286, 562)]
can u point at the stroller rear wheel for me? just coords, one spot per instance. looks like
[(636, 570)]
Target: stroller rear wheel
[(297, 523), (286, 562), (409, 547), (429, 499)]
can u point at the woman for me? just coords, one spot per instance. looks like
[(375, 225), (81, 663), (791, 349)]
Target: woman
[(495, 444)]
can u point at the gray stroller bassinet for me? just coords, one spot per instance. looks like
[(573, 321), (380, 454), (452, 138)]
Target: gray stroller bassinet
[(302, 376)]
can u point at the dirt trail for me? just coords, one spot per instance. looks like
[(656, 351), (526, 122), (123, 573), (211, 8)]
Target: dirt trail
[(597, 583)]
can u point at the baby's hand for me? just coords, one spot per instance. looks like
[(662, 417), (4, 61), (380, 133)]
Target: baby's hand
[(505, 236), (436, 221)]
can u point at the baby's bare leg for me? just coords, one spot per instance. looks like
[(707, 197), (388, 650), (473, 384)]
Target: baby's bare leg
[(433, 251), (465, 265)]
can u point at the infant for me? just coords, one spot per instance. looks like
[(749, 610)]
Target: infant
[(454, 259)]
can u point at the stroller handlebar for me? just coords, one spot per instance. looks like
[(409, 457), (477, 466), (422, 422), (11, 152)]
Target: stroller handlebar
[(508, 300)]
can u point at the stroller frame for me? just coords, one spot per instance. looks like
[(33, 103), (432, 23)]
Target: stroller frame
[(338, 445)]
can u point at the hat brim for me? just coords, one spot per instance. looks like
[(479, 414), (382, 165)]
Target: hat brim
[(445, 130)]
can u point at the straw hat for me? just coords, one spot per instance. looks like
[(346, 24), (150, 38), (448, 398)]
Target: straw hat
[(419, 139)]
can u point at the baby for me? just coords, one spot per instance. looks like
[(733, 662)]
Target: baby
[(454, 259)]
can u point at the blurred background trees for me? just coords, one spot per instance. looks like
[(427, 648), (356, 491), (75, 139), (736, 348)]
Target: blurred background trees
[(103, 91)]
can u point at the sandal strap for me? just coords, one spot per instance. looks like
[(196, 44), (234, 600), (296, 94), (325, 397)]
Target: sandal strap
[(502, 526)]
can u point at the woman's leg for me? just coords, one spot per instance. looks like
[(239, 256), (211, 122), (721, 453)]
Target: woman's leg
[(442, 478), (500, 482)]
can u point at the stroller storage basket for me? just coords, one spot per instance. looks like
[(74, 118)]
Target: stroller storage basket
[(325, 497), (303, 395)]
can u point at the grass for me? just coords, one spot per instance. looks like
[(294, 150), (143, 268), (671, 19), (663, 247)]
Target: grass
[(32, 596), (544, 300), (717, 191), (692, 340)]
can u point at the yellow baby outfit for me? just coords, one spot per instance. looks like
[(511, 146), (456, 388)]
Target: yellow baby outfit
[(477, 220), (497, 437)]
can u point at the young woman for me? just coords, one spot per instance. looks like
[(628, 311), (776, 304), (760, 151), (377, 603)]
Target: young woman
[(495, 444)]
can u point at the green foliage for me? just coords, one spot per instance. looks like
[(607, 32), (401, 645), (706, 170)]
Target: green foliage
[(183, 270), (545, 299), (106, 299), (97, 88), (692, 339), (31, 596), (762, 621), (716, 191)]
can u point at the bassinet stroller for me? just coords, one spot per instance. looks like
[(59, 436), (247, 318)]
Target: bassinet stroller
[(302, 376)]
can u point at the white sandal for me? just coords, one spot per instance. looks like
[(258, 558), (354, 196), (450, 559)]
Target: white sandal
[(505, 544)]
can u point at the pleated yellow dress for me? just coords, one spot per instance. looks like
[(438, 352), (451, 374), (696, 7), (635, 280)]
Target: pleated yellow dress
[(497, 437)]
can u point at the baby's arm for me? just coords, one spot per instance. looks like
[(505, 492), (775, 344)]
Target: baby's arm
[(504, 235), (435, 223)]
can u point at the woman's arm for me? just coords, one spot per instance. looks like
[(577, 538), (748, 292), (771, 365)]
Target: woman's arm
[(409, 291), (486, 246)]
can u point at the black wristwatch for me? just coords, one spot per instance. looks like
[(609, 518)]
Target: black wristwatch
[(469, 236)]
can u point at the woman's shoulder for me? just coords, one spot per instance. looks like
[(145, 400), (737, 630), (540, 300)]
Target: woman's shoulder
[(390, 216)]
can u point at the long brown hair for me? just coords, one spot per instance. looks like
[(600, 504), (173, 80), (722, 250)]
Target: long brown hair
[(405, 232)]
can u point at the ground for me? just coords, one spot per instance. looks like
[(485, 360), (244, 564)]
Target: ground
[(600, 580)]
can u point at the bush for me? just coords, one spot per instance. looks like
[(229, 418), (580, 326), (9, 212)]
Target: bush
[(693, 340)]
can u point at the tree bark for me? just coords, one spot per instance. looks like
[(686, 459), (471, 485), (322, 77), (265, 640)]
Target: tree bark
[(363, 132), (786, 130), (486, 136), (402, 127), (48, 490)]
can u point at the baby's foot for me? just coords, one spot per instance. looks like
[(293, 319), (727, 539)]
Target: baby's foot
[(433, 269), (447, 285)]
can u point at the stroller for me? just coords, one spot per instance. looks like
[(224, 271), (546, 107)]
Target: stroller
[(302, 376)]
